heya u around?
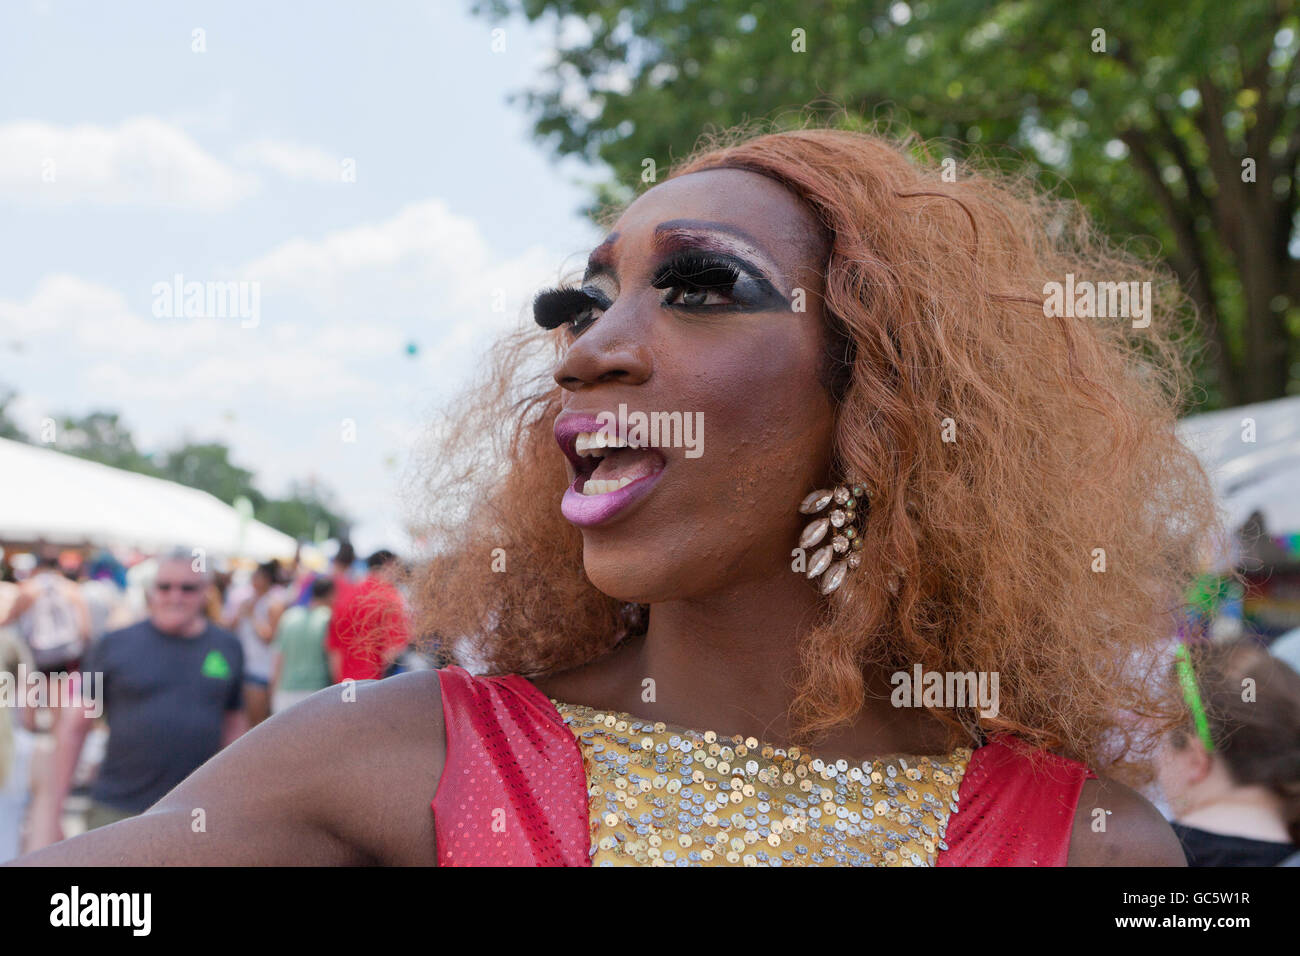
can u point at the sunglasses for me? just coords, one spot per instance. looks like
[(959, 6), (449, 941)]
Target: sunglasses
[(165, 586)]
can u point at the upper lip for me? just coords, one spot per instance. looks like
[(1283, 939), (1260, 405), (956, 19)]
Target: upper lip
[(569, 425)]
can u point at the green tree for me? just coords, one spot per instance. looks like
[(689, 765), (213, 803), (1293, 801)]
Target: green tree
[(1176, 121), (8, 427), (207, 465), (307, 506), (101, 437)]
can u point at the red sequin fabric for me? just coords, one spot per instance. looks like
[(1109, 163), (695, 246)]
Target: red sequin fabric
[(1017, 807), (514, 790)]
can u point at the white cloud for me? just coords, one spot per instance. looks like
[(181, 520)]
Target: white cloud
[(421, 235), (337, 312), (133, 356), (292, 160), (424, 270), (142, 160)]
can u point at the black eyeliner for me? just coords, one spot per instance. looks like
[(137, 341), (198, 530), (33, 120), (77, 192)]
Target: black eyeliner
[(692, 270), (750, 287)]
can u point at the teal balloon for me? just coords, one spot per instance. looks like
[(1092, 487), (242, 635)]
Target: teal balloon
[(412, 349)]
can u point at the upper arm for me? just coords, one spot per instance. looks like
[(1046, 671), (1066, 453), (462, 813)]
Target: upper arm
[(234, 724), (1115, 825), (331, 781)]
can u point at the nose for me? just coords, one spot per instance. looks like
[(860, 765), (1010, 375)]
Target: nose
[(612, 350)]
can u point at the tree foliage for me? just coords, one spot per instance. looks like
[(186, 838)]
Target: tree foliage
[(1179, 123)]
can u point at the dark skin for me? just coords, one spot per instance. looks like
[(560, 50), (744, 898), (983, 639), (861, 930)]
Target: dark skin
[(349, 782)]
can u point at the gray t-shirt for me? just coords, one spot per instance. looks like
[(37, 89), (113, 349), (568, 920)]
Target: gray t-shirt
[(165, 698)]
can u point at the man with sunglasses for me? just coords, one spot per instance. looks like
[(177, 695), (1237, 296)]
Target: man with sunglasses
[(171, 690)]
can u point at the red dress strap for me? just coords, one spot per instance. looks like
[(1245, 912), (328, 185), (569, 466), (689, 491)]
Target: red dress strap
[(1015, 807), (513, 790)]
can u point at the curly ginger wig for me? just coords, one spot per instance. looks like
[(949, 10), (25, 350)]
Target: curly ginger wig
[(1006, 453)]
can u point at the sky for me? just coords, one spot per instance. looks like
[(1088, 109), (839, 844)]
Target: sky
[(354, 168)]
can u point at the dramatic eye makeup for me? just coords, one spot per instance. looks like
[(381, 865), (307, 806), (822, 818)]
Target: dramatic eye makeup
[(567, 305), (692, 278), (697, 274)]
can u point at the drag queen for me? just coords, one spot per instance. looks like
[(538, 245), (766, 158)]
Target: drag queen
[(816, 450)]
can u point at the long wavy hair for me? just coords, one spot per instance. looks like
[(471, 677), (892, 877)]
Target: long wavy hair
[(1032, 510)]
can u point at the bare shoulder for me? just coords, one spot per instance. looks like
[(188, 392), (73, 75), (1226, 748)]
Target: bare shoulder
[(1115, 825), (344, 777)]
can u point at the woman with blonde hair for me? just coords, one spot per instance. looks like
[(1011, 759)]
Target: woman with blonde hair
[(813, 424)]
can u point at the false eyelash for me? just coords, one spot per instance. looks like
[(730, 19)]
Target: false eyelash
[(554, 307), (696, 271), (692, 271)]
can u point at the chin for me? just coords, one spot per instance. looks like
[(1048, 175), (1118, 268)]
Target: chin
[(643, 571), (630, 574)]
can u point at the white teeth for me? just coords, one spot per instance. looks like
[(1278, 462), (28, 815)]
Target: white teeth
[(593, 486), (587, 443)]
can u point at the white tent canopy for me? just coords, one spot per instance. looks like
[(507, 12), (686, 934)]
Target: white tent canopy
[(1252, 454), (51, 496)]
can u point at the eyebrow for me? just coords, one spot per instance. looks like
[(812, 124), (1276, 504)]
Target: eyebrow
[(671, 234)]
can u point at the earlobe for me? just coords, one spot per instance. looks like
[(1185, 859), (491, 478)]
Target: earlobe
[(1199, 763)]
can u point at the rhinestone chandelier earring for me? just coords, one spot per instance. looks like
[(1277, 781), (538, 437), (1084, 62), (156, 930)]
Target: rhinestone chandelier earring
[(844, 525)]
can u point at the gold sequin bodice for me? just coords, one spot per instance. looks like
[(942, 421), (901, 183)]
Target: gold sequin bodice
[(661, 796)]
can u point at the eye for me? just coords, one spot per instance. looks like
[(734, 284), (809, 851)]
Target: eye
[(697, 281), (571, 307)]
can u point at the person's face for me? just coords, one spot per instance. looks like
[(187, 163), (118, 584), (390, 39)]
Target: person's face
[(1181, 764), (176, 598), (735, 356)]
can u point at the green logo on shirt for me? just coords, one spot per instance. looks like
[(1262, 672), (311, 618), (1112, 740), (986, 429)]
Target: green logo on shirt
[(216, 665)]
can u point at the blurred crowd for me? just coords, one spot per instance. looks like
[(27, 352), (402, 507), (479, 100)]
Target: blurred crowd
[(178, 661), (116, 683)]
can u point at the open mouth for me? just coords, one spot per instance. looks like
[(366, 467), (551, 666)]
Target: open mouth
[(606, 463), (611, 472)]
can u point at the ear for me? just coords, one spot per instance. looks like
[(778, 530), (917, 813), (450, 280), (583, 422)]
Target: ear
[(1197, 764)]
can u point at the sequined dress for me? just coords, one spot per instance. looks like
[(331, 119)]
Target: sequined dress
[(529, 780)]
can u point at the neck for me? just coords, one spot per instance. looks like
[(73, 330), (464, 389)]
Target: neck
[(1254, 812), (728, 661), (193, 629)]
